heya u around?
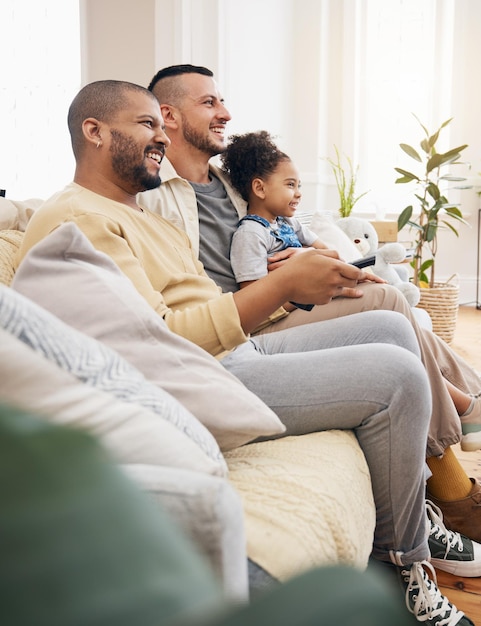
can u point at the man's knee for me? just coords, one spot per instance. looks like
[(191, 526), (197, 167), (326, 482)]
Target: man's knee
[(385, 297), (393, 327)]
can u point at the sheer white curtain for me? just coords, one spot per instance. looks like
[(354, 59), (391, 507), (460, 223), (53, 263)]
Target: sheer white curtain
[(40, 52), (379, 62), (357, 70), (398, 58)]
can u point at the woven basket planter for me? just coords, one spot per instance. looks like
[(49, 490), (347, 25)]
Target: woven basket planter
[(442, 304)]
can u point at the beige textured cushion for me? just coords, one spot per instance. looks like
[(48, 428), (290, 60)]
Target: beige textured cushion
[(307, 501), (15, 214), (133, 433), (83, 287), (97, 365), (9, 244)]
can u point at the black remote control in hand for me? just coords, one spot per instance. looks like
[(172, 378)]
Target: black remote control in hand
[(365, 261)]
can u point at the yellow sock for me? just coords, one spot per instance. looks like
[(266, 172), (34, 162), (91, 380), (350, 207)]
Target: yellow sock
[(449, 480)]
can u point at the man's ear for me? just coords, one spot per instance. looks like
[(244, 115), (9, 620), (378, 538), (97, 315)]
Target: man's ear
[(170, 115), (92, 131), (257, 187)]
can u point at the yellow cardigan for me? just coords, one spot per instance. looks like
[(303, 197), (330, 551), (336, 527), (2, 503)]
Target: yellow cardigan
[(155, 255)]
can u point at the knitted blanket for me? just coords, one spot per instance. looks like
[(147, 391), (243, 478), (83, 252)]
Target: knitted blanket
[(307, 501)]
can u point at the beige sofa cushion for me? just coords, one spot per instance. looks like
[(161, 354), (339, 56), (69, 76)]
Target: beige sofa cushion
[(132, 433), (83, 287), (15, 214), (9, 244), (96, 365), (14, 217)]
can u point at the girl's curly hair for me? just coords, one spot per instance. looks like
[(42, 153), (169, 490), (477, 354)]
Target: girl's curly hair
[(249, 156)]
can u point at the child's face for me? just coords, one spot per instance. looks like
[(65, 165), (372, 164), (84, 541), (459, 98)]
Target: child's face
[(283, 190)]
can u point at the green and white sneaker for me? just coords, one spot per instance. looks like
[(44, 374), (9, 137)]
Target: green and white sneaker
[(451, 551), (425, 601)]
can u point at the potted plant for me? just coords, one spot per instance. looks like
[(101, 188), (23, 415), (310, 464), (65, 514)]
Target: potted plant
[(346, 179), (434, 206), (434, 212)]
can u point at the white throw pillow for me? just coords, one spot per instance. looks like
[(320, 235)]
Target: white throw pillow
[(96, 365), (132, 434), (83, 287), (15, 214)]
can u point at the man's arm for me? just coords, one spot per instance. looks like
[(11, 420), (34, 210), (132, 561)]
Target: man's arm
[(174, 283), (278, 259), (312, 277)]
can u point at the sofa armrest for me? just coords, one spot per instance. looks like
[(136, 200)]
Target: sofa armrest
[(209, 511)]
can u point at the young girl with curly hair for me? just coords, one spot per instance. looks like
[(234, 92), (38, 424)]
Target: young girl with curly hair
[(267, 179)]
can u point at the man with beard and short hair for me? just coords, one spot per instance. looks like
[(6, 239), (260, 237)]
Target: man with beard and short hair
[(118, 143), (197, 196)]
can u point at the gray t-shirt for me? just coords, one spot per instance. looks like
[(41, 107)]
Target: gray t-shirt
[(218, 221), (253, 243)]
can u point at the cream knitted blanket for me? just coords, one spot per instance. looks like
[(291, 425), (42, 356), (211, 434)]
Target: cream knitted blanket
[(307, 501)]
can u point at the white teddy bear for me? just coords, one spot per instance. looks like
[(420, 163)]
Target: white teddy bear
[(364, 236)]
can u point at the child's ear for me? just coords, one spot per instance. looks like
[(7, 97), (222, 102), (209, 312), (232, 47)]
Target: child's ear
[(257, 187)]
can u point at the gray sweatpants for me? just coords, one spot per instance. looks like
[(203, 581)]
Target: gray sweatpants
[(440, 361), (360, 372)]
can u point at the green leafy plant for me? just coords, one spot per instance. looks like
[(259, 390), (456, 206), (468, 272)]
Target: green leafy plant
[(433, 205), (346, 180)]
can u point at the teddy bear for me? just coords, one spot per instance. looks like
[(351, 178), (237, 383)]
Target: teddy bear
[(364, 236)]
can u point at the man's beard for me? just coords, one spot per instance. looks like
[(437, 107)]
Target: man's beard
[(200, 141), (125, 152)]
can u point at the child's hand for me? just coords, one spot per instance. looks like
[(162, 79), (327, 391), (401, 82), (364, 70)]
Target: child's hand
[(279, 258)]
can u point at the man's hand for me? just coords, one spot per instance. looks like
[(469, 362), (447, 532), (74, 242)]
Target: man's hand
[(347, 292), (278, 259), (312, 277), (317, 276)]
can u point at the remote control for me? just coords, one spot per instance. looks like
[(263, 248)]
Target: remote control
[(364, 262)]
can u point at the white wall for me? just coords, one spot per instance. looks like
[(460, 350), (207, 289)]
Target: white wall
[(275, 61), (39, 78), (119, 40)]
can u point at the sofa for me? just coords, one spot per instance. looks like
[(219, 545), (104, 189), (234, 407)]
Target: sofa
[(81, 348)]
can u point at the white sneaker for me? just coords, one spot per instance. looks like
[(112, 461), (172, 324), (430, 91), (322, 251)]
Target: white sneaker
[(471, 427)]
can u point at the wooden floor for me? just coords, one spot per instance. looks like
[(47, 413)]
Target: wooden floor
[(467, 337), (465, 593)]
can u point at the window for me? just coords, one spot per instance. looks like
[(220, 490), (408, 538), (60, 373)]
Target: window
[(402, 64), (40, 51)]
